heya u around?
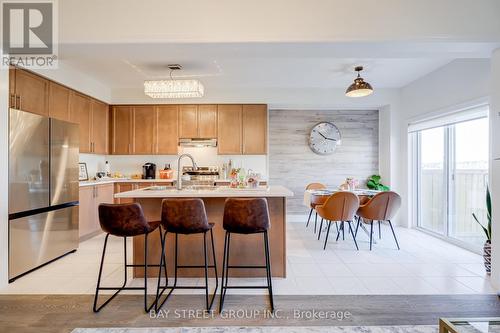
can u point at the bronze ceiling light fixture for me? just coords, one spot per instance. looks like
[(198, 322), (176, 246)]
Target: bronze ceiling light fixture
[(359, 88)]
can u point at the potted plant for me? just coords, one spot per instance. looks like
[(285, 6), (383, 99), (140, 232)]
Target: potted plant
[(487, 231), (374, 183)]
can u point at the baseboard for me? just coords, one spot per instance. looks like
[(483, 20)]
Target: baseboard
[(90, 235)]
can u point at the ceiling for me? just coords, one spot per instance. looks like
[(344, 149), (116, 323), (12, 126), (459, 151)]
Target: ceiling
[(219, 66)]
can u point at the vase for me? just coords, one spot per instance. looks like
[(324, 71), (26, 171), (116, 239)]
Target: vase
[(487, 256)]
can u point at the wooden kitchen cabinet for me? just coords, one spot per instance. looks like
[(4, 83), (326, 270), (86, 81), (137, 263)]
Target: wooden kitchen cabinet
[(29, 92), (80, 113), (198, 121), (121, 130), (59, 99), (99, 130), (124, 187), (143, 129), (90, 199), (254, 126), (207, 121), (188, 121), (229, 129), (167, 135)]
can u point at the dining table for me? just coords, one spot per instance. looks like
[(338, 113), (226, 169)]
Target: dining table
[(320, 196)]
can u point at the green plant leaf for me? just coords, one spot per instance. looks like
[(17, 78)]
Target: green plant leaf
[(488, 234), (375, 178)]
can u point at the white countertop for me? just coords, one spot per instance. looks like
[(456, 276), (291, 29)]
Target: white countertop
[(124, 180), (217, 192)]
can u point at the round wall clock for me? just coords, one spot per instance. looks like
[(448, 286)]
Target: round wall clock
[(324, 138)]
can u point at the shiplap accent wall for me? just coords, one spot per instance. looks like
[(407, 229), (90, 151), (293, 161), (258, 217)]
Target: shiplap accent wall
[(294, 165)]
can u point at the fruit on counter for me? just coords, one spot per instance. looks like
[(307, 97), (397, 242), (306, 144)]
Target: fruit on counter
[(117, 175), (136, 176)]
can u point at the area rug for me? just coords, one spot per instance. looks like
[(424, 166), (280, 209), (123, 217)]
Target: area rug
[(268, 329)]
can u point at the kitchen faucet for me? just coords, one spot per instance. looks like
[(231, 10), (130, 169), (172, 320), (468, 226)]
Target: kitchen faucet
[(179, 173)]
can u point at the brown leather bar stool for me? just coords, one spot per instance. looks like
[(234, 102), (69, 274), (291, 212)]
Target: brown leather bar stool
[(339, 207), (125, 220), (312, 203), (382, 207), (186, 217), (245, 216)]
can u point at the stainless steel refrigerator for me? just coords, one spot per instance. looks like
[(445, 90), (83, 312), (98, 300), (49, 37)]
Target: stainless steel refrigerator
[(43, 190)]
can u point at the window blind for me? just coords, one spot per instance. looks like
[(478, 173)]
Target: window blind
[(450, 118)]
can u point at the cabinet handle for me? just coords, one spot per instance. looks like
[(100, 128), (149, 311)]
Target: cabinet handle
[(18, 102), (11, 101), (129, 148)]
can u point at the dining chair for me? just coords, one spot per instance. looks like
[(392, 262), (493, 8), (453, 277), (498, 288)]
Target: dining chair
[(308, 202), (339, 207), (381, 207)]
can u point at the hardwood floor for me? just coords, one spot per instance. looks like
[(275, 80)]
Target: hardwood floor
[(62, 313)]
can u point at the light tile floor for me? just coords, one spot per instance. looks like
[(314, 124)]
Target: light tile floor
[(424, 265)]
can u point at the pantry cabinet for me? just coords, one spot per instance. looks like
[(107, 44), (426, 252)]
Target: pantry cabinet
[(90, 199)]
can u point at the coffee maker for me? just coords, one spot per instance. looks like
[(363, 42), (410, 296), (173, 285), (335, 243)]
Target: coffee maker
[(149, 171)]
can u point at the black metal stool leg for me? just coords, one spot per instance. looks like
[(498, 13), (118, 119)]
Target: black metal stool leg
[(343, 230), (379, 231), (99, 277), (394, 234), (268, 270), (309, 218), (225, 263)]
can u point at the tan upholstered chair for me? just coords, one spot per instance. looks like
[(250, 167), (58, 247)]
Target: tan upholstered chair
[(310, 202), (382, 207), (339, 207)]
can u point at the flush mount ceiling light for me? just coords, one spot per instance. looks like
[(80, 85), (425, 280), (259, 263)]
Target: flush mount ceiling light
[(173, 88), (359, 88)]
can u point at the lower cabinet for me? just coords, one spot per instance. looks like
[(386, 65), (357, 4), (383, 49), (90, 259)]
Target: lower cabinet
[(90, 198)]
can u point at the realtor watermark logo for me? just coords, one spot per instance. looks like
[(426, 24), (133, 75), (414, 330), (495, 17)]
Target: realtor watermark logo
[(29, 34)]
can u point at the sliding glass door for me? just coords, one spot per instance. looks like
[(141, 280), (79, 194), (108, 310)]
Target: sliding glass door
[(451, 174)]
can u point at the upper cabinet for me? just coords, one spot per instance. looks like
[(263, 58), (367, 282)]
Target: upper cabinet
[(59, 97), (80, 113), (28, 92), (242, 129), (198, 121), (207, 121), (33, 93), (143, 129), (254, 129), (121, 130), (99, 131), (167, 135), (229, 129)]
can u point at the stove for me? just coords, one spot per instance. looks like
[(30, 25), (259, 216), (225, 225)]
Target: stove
[(204, 175)]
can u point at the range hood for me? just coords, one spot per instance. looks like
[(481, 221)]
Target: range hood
[(198, 142)]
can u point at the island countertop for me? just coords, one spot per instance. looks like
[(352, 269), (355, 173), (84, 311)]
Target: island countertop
[(215, 192)]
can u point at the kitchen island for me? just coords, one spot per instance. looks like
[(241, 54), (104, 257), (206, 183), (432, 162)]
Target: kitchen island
[(245, 249)]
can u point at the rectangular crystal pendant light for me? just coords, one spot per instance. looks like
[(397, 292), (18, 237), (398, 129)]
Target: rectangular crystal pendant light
[(173, 88)]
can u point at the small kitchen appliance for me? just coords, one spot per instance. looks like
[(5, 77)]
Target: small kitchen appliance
[(149, 171)]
